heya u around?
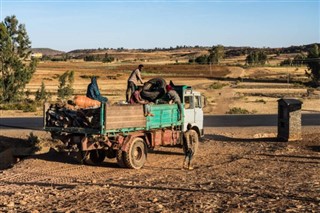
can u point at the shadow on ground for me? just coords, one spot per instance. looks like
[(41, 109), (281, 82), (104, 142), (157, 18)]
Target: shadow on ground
[(231, 139)]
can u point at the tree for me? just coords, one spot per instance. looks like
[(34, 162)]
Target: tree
[(257, 58), (203, 59), (299, 60), (216, 53), (313, 63), (65, 89), (107, 58), (14, 51), (286, 62)]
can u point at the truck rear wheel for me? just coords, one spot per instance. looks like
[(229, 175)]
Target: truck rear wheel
[(136, 156), (120, 160), (95, 157)]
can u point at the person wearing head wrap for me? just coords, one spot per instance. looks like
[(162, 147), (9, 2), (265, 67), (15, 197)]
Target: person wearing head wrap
[(93, 91)]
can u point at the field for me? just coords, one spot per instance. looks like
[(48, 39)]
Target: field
[(236, 169), (248, 88)]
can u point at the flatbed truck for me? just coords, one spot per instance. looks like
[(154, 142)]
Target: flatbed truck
[(125, 132)]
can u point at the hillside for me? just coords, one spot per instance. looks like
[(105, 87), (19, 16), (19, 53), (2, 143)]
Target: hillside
[(46, 51)]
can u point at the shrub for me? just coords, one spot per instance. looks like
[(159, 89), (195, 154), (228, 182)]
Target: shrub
[(65, 89), (33, 139), (238, 110), (261, 100), (42, 94), (202, 59), (108, 59), (31, 107)]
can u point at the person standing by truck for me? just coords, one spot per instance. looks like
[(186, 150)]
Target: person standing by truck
[(190, 145), (174, 98), (133, 79)]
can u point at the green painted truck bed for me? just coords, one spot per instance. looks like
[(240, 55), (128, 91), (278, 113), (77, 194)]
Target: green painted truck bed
[(129, 118)]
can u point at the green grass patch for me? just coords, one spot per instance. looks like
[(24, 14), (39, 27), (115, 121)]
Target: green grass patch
[(89, 76), (217, 85), (24, 106), (260, 101)]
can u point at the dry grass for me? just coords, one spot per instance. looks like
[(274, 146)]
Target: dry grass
[(113, 79)]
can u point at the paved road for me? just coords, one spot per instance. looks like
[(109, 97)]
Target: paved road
[(35, 123)]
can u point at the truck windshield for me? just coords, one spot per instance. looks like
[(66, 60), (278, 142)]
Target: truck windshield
[(188, 102)]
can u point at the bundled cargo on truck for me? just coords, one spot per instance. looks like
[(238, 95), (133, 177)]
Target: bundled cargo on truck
[(62, 115)]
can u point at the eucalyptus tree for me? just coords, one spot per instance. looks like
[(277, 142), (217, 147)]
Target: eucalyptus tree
[(16, 66)]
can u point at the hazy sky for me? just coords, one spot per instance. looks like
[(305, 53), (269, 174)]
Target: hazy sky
[(77, 24)]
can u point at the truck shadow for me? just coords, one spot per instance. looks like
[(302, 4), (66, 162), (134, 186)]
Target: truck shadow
[(314, 148), (72, 158)]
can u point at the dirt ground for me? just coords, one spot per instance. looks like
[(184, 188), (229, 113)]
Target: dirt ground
[(236, 170)]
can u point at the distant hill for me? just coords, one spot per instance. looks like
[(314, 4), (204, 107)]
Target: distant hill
[(230, 50), (46, 51)]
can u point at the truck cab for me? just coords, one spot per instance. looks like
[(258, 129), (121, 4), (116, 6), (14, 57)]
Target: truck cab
[(193, 112), (193, 108)]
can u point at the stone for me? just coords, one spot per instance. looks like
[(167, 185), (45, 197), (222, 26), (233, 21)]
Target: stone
[(10, 204)]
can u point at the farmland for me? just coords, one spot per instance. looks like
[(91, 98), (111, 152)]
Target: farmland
[(236, 169)]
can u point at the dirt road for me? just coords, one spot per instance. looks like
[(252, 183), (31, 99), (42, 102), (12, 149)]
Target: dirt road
[(236, 170)]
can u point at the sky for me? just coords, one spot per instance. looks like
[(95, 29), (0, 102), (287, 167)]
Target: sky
[(83, 24)]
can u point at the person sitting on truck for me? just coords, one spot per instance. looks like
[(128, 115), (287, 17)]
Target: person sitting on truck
[(173, 97), (189, 146), (133, 79), (93, 91), (136, 97)]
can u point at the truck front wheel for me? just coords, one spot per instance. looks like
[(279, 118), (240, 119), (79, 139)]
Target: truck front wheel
[(136, 156)]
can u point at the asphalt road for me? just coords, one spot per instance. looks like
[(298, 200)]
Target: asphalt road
[(35, 123)]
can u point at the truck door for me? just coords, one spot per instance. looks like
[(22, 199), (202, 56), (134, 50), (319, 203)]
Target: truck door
[(189, 113), (198, 112)]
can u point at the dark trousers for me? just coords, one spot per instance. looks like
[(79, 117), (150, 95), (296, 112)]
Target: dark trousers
[(131, 87), (188, 158)]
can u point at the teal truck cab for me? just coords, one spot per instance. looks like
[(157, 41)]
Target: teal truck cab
[(125, 132)]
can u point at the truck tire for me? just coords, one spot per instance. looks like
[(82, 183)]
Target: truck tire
[(95, 157), (150, 96), (120, 160), (110, 153), (136, 156), (154, 89)]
